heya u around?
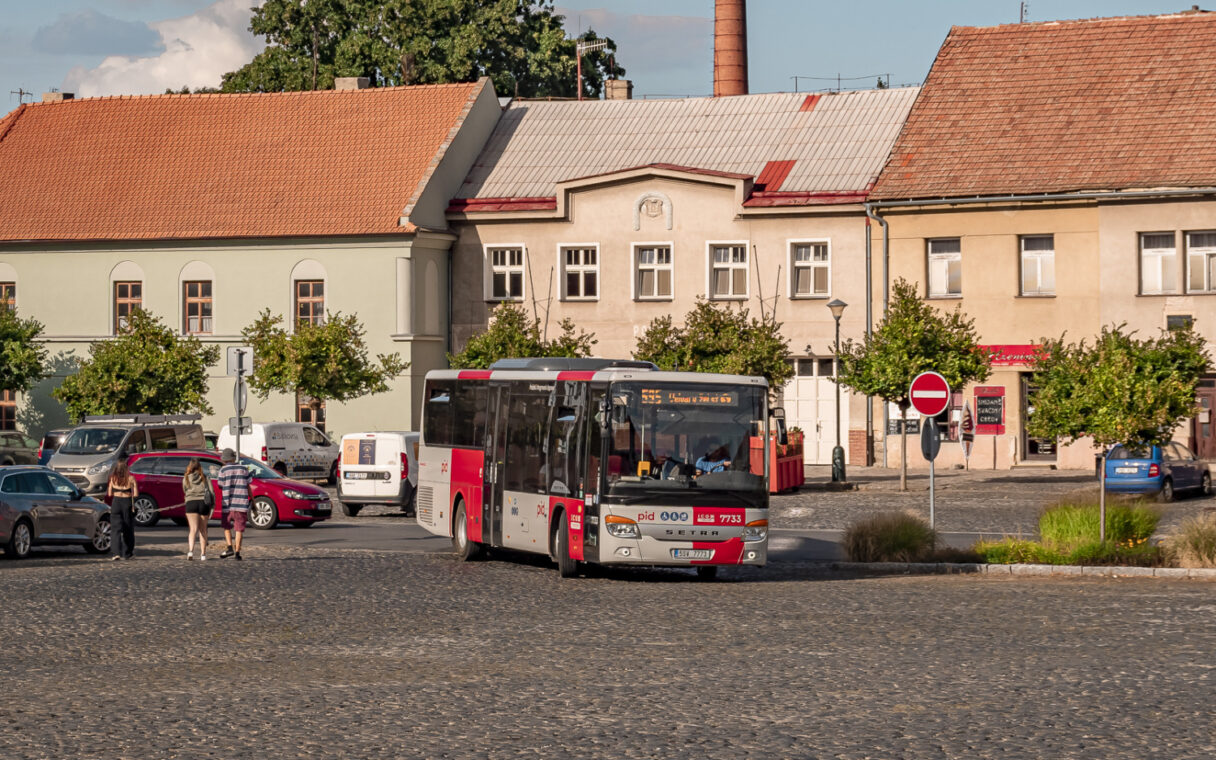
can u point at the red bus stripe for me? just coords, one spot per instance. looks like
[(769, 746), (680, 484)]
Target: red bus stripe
[(575, 375), (474, 374)]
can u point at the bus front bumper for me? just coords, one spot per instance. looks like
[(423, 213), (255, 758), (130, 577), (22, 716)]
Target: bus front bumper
[(650, 551)]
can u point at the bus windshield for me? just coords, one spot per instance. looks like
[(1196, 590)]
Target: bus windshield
[(690, 441)]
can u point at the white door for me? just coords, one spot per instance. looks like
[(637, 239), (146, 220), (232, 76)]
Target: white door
[(810, 404)]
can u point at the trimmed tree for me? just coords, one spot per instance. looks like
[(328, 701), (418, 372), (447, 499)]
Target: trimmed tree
[(512, 334), (148, 368), (718, 338), (22, 357), (913, 337), (325, 362), (1120, 389)]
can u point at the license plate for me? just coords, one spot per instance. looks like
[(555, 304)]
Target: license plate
[(692, 553), (358, 475), (1127, 470)]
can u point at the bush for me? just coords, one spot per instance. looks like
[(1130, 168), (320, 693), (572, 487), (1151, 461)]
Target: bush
[(890, 537), (1014, 551), (1070, 524), (1194, 544)]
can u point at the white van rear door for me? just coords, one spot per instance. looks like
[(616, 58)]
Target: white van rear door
[(388, 460)]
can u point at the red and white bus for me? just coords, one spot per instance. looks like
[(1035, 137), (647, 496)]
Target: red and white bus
[(597, 460)]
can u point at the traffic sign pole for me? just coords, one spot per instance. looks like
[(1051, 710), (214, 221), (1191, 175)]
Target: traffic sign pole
[(930, 395)]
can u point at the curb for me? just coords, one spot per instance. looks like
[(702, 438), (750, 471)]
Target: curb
[(954, 568)]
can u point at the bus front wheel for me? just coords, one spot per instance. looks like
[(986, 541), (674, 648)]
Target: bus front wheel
[(566, 566), (464, 548)]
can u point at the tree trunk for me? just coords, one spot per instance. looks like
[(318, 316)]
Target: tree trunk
[(903, 449)]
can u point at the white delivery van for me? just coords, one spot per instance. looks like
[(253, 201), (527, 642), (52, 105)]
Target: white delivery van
[(294, 449), (378, 468)]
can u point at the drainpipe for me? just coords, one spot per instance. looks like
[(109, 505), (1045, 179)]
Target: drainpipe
[(886, 296)]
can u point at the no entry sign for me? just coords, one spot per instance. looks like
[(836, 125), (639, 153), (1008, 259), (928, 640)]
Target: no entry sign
[(929, 394)]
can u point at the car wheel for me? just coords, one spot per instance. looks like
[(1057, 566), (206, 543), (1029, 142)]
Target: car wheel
[(101, 538), (280, 468), (351, 510), (1167, 491), (263, 514), (19, 543), (465, 549), (567, 566), (707, 572), (332, 479), (145, 511), (1205, 486)]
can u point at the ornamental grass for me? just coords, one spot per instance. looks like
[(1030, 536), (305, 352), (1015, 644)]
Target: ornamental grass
[(890, 537), (1194, 543), (1068, 532)]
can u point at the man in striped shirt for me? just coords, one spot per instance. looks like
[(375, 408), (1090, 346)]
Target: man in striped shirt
[(234, 502)]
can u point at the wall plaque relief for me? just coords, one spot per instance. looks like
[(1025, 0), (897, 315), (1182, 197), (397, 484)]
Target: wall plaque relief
[(651, 205)]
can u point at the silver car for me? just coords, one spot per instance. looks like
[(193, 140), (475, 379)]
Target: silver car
[(40, 506), (88, 454)]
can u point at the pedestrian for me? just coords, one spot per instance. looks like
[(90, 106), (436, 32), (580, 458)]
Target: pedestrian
[(122, 491), (199, 500), (234, 502)]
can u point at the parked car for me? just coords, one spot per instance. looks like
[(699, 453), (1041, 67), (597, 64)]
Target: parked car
[(275, 499), (51, 442), (39, 506), (90, 451), (1161, 470), (378, 468), (294, 449), (16, 448)]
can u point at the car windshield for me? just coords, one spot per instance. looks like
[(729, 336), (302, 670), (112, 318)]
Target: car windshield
[(687, 441), (1130, 451), (93, 441), (259, 470)]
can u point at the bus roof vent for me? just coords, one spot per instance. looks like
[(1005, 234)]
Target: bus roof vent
[(562, 363)]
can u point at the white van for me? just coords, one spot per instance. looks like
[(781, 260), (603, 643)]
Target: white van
[(294, 449), (378, 468)]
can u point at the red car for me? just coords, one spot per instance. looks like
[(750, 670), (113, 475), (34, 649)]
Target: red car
[(275, 498)]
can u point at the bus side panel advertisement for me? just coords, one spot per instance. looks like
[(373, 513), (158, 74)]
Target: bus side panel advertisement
[(574, 519), (466, 481)]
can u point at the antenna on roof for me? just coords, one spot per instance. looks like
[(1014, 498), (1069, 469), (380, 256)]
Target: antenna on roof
[(21, 92), (581, 47), (1023, 11)]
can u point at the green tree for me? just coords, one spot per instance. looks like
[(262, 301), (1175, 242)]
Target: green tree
[(147, 368), (323, 362), (913, 337), (512, 334), (22, 357), (718, 338), (1120, 389), (519, 44)]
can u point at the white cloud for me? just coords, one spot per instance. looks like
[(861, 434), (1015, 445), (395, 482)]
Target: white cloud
[(198, 50)]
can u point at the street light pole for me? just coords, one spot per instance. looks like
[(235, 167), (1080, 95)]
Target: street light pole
[(838, 474)]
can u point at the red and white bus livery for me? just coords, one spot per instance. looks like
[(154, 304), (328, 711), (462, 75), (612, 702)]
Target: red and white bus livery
[(596, 460)]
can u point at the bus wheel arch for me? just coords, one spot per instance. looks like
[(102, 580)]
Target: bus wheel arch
[(465, 548), (559, 545)]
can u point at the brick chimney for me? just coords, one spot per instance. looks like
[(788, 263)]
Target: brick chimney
[(55, 97), (730, 47), (351, 83), (618, 89)]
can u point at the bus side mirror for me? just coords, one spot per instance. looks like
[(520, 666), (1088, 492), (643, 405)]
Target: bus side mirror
[(783, 436)]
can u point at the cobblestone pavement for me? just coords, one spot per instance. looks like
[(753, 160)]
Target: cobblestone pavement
[(325, 654)]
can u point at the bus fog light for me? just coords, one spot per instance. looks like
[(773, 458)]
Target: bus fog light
[(751, 555), (623, 551), (756, 530)]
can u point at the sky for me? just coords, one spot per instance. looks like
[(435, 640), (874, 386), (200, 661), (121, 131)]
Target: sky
[(116, 47)]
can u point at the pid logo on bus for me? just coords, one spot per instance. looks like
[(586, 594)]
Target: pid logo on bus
[(673, 516)]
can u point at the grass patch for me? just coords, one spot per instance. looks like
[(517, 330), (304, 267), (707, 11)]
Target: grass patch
[(1194, 543), (890, 537), (1069, 536)]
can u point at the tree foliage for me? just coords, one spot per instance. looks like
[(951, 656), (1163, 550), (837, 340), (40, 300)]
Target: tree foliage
[(148, 368), (22, 357), (512, 334), (1119, 389), (324, 362), (519, 44), (718, 338)]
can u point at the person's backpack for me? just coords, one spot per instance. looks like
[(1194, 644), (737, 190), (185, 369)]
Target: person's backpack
[(209, 494)]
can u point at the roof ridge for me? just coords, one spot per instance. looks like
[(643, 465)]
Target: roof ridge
[(233, 95), (1199, 14)]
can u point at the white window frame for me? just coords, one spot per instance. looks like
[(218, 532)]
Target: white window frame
[(1163, 260), (490, 269), (1036, 257), (635, 270), (730, 266), (1193, 252), (938, 260), (812, 265), (563, 269)]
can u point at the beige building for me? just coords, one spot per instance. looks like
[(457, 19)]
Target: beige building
[(207, 209), (1047, 186), (614, 213)]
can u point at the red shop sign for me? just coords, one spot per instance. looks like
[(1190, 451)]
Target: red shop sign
[(1007, 355), (990, 410)]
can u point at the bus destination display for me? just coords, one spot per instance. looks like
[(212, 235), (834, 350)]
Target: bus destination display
[(686, 397)]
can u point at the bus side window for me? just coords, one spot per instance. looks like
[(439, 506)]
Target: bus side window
[(595, 442), (469, 414), (525, 425), (437, 413)]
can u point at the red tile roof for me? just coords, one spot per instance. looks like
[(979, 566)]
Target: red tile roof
[(348, 162), (1097, 104)]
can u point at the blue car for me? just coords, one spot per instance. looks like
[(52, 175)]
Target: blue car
[(1161, 470)]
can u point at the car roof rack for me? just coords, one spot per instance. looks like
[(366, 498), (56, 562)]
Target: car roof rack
[(140, 419), (562, 363)]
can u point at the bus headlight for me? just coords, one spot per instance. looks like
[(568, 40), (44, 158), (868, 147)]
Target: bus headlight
[(622, 527), (756, 530)]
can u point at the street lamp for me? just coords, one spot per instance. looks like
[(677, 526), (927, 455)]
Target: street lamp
[(838, 476)]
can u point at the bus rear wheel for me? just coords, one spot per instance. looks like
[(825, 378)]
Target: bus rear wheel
[(566, 566), (465, 548)]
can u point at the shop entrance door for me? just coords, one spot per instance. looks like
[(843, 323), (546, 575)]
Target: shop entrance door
[(1033, 449), (1203, 426)]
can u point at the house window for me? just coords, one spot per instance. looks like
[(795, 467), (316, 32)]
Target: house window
[(1038, 265), (310, 302), (197, 307), (128, 297), (582, 273), (1158, 263), (506, 274), (308, 414), (811, 265), (8, 294), (8, 410), (945, 268), (728, 271), (1201, 262), (654, 272)]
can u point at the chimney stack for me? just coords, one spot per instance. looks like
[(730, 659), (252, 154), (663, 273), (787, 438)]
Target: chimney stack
[(618, 89), (55, 97), (351, 83), (730, 47)]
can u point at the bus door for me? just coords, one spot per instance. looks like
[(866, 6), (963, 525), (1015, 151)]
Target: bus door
[(495, 469)]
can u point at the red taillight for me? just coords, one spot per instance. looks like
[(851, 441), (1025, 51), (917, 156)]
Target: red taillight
[(263, 453), (338, 469), (1154, 470), (405, 466), (40, 452)]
